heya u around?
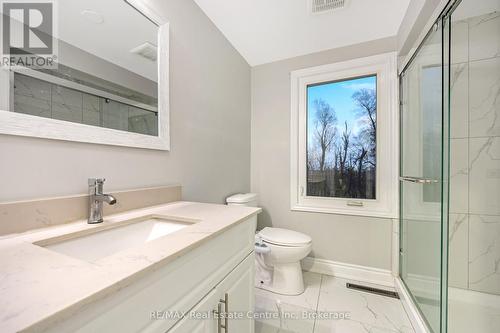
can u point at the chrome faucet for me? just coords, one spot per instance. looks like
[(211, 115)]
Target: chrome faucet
[(96, 198)]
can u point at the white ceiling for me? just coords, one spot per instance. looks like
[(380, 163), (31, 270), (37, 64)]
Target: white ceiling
[(122, 29), (268, 30)]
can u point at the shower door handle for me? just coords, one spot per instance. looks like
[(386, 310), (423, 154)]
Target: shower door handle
[(418, 180)]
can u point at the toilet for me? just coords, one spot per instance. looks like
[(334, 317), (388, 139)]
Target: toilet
[(278, 253)]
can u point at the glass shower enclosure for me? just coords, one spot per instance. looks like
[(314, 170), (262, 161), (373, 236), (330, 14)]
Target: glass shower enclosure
[(450, 170), (423, 177)]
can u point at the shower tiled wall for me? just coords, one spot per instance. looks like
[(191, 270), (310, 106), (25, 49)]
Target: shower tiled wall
[(474, 255), (40, 98)]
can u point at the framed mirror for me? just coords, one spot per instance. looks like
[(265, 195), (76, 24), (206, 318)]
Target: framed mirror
[(107, 84)]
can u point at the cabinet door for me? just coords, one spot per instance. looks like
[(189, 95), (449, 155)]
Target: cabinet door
[(237, 296), (200, 319)]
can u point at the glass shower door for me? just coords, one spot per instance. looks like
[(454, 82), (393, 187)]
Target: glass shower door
[(421, 200)]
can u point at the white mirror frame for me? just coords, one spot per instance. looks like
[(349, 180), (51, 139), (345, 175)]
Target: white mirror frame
[(34, 126)]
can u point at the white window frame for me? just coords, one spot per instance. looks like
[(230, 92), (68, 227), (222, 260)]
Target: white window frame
[(384, 66), (33, 126)]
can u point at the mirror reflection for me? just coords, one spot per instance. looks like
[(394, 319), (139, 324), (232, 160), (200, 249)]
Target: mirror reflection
[(107, 72)]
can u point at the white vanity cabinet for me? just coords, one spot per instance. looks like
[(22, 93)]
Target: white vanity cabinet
[(197, 280), (238, 296), (229, 306), (208, 305)]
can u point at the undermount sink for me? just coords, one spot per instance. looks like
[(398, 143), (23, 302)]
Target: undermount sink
[(105, 240)]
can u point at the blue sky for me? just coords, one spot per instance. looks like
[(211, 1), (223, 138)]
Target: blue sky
[(339, 96)]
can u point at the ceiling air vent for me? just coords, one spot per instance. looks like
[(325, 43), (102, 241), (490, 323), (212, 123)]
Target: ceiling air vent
[(321, 6), (146, 50)]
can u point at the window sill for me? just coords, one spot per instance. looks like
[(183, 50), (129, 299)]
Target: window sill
[(347, 211)]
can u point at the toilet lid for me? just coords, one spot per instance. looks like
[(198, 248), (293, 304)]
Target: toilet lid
[(280, 236)]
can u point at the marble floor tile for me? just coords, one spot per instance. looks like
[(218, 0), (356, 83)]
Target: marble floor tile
[(327, 306), (289, 313), (352, 326), (372, 310), (264, 327), (273, 313), (308, 299)]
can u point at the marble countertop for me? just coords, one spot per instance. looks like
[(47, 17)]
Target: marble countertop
[(39, 286)]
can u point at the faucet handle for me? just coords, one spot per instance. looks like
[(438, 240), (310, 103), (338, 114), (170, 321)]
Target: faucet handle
[(95, 181)]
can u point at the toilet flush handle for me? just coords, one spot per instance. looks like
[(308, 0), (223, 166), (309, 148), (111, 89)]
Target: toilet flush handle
[(261, 248)]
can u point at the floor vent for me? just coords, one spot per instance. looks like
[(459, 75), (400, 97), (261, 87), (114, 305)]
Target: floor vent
[(321, 6), (377, 291)]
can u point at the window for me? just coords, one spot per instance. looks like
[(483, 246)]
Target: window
[(344, 138)]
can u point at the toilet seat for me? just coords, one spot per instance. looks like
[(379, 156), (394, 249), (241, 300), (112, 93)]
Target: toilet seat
[(284, 237)]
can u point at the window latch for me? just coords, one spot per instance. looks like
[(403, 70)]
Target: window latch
[(355, 203)]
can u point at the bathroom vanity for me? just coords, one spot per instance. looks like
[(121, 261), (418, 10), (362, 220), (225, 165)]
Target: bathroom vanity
[(178, 267)]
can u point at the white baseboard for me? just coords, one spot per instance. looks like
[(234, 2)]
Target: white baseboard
[(349, 271), (423, 285), (416, 319)]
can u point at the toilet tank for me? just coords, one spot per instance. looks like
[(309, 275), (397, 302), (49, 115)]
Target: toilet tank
[(243, 199)]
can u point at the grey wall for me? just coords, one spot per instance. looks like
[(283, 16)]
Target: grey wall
[(210, 129), (88, 63), (417, 15), (350, 239)]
